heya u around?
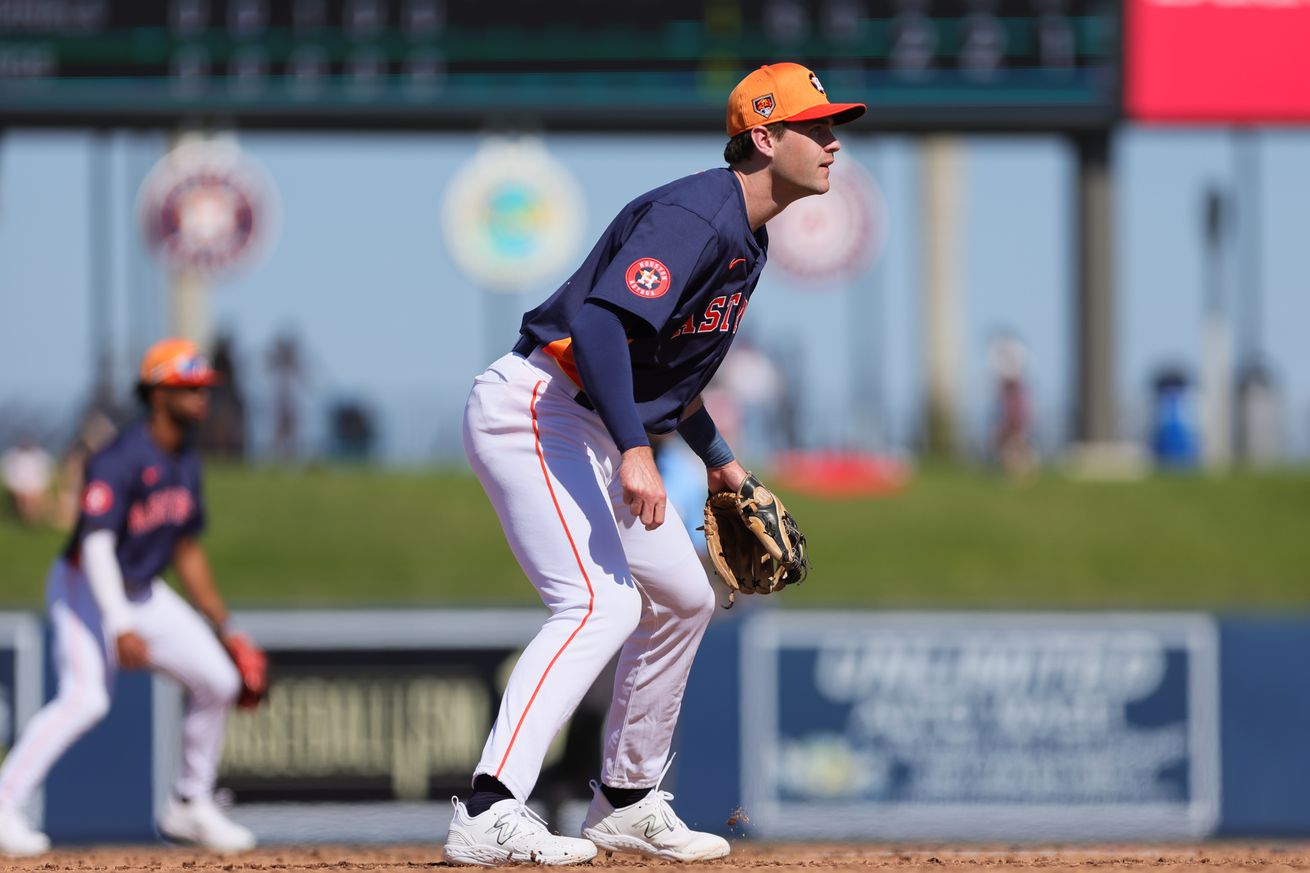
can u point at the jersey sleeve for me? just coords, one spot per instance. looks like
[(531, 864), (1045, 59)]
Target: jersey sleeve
[(664, 255), (106, 494)]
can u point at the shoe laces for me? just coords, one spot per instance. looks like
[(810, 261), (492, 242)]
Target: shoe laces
[(670, 817), (522, 810), (663, 797), (531, 819), (516, 818)]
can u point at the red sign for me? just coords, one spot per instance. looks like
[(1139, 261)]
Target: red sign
[(1219, 61)]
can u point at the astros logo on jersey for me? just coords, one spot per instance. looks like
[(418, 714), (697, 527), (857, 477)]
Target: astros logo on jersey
[(97, 499), (764, 105), (648, 277)]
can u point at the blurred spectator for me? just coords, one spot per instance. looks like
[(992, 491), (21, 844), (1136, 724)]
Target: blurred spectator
[(1012, 437), (352, 430), (745, 399), (223, 434), (288, 382), (27, 472), (789, 435), (93, 434)]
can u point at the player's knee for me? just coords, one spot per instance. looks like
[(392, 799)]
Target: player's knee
[(618, 614), (696, 607), (693, 603), (220, 687), (709, 602), (627, 615), (85, 706), (227, 685)]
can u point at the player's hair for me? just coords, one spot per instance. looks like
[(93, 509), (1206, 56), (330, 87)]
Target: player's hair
[(143, 393), (741, 146)]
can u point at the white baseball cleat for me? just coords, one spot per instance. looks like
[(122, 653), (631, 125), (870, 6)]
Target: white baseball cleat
[(200, 822), (649, 827), (509, 833), (18, 839)]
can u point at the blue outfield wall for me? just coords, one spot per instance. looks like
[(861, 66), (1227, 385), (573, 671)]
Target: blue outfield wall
[(848, 725), (1265, 688), (1209, 737), (102, 790)]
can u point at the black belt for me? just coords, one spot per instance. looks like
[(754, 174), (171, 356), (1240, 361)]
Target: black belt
[(526, 345)]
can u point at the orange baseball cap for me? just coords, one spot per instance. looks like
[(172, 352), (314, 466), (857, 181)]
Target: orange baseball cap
[(784, 92), (176, 363)]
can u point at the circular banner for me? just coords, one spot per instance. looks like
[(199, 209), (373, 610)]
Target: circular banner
[(207, 208), (832, 237), (513, 216)]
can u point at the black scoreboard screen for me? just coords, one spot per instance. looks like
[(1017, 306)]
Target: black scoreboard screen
[(586, 64)]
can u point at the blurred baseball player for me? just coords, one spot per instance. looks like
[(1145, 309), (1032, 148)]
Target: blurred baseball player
[(557, 433), (141, 510)]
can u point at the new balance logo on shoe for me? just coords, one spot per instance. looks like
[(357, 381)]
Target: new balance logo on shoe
[(652, 824), (505, 827)]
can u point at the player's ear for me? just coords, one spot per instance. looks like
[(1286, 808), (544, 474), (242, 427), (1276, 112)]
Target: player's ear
[(763, 140)]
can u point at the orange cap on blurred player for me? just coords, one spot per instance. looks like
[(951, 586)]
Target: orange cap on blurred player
[(784, 92), (176, 363)]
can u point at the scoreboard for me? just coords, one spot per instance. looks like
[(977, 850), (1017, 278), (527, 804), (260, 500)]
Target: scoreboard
[(586, 64)]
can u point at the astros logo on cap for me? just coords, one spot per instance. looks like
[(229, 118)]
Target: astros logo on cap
[(764, 105), (649, 278)]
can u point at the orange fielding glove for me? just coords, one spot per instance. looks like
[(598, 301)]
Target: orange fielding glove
[(252, 664)]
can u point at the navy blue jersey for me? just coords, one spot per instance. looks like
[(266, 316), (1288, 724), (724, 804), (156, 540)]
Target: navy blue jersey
[(149, 498), (681, 262)]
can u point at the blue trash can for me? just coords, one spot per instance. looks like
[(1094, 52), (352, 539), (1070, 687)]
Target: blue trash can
[(1173, 432)]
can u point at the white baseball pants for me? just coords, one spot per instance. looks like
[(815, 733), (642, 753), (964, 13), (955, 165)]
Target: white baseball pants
[(180, 645), (551, 470)]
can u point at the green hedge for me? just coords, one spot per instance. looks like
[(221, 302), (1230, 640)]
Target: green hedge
[(953, 539)]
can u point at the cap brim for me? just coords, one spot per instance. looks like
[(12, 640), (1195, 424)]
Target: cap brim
[(207, 381), (840, 113)]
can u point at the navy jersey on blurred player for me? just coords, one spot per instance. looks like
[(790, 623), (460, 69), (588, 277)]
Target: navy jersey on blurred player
[(142, 509)]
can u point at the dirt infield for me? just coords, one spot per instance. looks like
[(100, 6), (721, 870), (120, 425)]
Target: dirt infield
[(1207, 857)]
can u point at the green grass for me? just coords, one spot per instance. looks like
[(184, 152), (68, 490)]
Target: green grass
[(953, 539)]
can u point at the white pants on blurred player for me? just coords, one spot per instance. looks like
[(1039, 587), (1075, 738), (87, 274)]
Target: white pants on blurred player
[(551, 469), (180, 644)]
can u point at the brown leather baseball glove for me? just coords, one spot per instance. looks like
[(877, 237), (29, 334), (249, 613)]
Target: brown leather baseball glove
[(754, 543)]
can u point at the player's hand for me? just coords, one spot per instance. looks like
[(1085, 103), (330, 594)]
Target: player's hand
[(643, 489), (132, 653), (726, 478)]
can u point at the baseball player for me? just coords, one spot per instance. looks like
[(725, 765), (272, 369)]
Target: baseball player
[(557, 433), (141, 510)]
